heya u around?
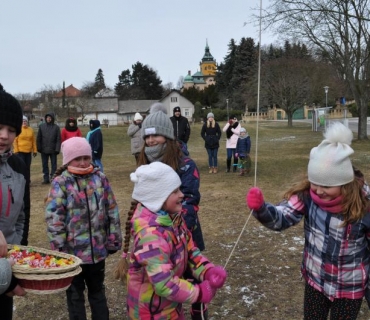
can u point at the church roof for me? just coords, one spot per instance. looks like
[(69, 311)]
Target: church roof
[(207, 54)]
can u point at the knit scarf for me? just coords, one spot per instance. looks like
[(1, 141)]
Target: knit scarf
[(81, 171), (229, 133), (156, 152), (332, 206)]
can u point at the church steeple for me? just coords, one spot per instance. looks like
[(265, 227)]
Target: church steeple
[(207, 54)]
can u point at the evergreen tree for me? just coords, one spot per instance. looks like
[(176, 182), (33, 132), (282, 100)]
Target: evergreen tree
[(122, 88), (99, 81), (147, 80)]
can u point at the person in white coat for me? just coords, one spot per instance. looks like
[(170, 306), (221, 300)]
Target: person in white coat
[(134, 132), (232, 129)]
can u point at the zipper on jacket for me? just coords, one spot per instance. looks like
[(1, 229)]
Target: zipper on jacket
[(10, 200)]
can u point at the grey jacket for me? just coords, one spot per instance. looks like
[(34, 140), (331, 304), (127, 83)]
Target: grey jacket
[(137, 142)]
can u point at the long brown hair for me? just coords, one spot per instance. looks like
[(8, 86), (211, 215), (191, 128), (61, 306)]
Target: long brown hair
[(355, 204), (122, 266), (172, 155)]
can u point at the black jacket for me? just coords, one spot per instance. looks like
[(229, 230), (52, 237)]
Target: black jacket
[(211, 136), (181, 128)]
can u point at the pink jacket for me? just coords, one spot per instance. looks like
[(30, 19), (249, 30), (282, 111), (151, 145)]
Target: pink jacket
[(163, 249), (231, 143)]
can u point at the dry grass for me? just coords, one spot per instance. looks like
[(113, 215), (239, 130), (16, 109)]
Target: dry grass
[(264, 278)]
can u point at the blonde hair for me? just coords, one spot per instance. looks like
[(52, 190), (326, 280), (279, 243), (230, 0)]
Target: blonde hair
[(354, 203), (211, 124), (121, 269)]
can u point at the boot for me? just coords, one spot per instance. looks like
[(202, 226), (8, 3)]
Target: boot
[(228, 164), (235, 165), (214, 169), (242, 172), (210, 170)]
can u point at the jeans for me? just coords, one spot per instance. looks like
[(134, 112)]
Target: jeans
[(92, 277), (45, 165), (230, 153), (98, 163), (212, 157)]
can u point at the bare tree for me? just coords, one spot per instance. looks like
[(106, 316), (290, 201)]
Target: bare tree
[(339, 30)]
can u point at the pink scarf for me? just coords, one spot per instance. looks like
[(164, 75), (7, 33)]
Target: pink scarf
[(332, 206)]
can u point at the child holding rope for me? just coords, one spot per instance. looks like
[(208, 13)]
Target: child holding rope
[(83, 219), (163, 250), (332, 201)]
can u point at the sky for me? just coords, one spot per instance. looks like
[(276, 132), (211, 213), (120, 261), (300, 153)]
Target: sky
[(43, 43)]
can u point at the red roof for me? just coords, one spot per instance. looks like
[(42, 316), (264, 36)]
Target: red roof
[(71, 91)]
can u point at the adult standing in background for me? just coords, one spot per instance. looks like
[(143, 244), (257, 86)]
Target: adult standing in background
[(134, 132), (95, 138), (71, 129), (24, 145), (211, 134), (181, 126), (48, 144), (232, 129)]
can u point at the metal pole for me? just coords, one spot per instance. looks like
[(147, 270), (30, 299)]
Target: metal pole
[(227, 108)]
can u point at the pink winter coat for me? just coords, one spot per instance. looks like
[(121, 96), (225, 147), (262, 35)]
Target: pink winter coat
[(163, 249), (232, 141)]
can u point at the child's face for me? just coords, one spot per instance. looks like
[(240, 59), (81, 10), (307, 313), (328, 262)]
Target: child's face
[(326, 193), (173, 203), (154, 139), (7, 136), (81, 162), (243, 133)]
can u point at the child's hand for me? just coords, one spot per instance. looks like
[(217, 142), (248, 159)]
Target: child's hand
[(216, 276), (236, 155), (206, 292), (17, 291), (254, 198)]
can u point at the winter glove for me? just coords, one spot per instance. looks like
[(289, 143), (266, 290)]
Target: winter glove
[(254, 198), (206, 292), (216, 276), (236, 155)]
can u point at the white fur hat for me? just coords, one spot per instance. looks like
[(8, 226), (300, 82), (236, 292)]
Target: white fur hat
[(154, 183), (329, 163), (138, 116)]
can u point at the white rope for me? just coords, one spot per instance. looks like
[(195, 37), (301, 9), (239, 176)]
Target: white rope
[(258, 111)]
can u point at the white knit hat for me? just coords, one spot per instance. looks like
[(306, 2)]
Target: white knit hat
[(138, 116), (329, 163), (25, 118), (154, 183)]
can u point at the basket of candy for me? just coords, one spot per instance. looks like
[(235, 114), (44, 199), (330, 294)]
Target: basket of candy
[(43, 271)]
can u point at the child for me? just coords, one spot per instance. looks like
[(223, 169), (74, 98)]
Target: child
[(336, 258), (82, 219), (163, 249), (95, 138), (243, 147), (14, 193), (70, 130)]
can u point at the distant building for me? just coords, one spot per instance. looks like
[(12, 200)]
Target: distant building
[(71, 92), (206, 76)]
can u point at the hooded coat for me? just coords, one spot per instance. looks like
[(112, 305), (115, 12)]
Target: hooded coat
[(48, 137), (95, 138), (70, 131)]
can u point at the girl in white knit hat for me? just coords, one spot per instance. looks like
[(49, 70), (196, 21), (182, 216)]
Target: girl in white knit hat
[(333, 203), (162, 250), (83, 219), (134, 132)]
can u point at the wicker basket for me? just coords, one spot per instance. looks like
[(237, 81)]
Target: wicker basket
[(46, 283), (46, 280), (62, 269)]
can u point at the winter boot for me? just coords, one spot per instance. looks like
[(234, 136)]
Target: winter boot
[(242, 172), (235, 165), (228, 165), (210, 170), (199, 314), (214, 169)]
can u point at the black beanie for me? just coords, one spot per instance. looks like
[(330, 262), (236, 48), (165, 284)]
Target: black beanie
[(10, 111)]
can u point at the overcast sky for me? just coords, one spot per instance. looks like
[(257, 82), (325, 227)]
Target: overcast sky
[(47, 42)]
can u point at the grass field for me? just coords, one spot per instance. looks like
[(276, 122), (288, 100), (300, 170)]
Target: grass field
[(263, 271)]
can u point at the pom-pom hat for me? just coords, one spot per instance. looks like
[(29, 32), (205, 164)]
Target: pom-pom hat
[(157, 122), (11, 113), (138, 116), (75, 147), (154, 183), (329, 163)]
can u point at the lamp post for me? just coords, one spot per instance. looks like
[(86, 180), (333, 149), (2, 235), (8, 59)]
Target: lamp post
[(227, 108), (326, 88)]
